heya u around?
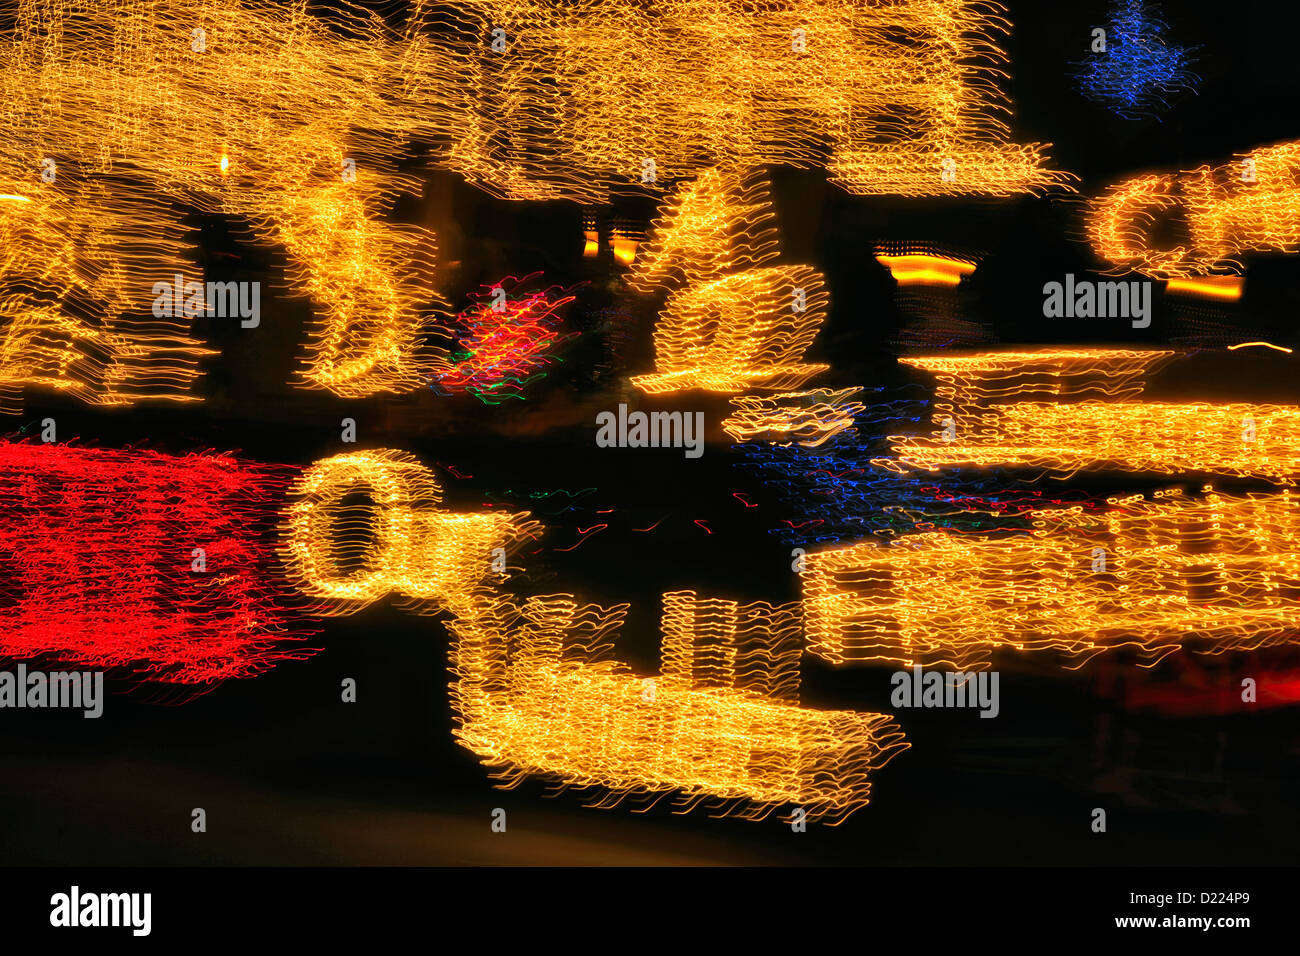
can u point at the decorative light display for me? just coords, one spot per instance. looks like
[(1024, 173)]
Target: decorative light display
[(729, 330), (1137, 71), (808, 418), (713, 226), (905, 95), (507, 340), (536, 692), (1252, 204), (306, 127), (135, 559), (1215, 573), (347, 552), (283, 119), (70, 316), (1070, 409), (720, 727), (739, 332)]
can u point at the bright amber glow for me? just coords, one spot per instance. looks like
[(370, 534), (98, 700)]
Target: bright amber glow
[(624, 250), (1066, 410), (903, 96), (1213, 574), (70, 318), (728, 331), (920, 269), (739, 332), (539, 695), (1227, 288), (1251, 204), (405, 545)]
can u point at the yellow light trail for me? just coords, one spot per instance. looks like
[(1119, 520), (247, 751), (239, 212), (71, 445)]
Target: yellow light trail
[(1227, 288), (1267, 345), (807, 418), (1066, 410), (1251, 204), (922, 269), (1213, 574), (720, 727), (537, 691)]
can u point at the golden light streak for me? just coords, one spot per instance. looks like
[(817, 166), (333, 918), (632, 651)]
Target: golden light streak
[(1066, 410), (1267, 345), (921, 269), (1251, 204), (1212, 574), (538, 696), (805, 418), (1227, 288), (739, 332), (536, 690)]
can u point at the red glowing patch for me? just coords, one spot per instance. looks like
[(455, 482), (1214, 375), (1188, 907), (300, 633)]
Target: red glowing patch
[(508, 340), (134, 559)]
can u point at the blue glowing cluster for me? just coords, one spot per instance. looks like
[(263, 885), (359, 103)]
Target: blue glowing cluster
[(1137, 72), (835, 493)]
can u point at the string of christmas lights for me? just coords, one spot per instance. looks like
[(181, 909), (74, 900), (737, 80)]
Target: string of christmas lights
[(1212, 574), (1070, 409), (509, 337), (720, 727), (1251, 204)]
